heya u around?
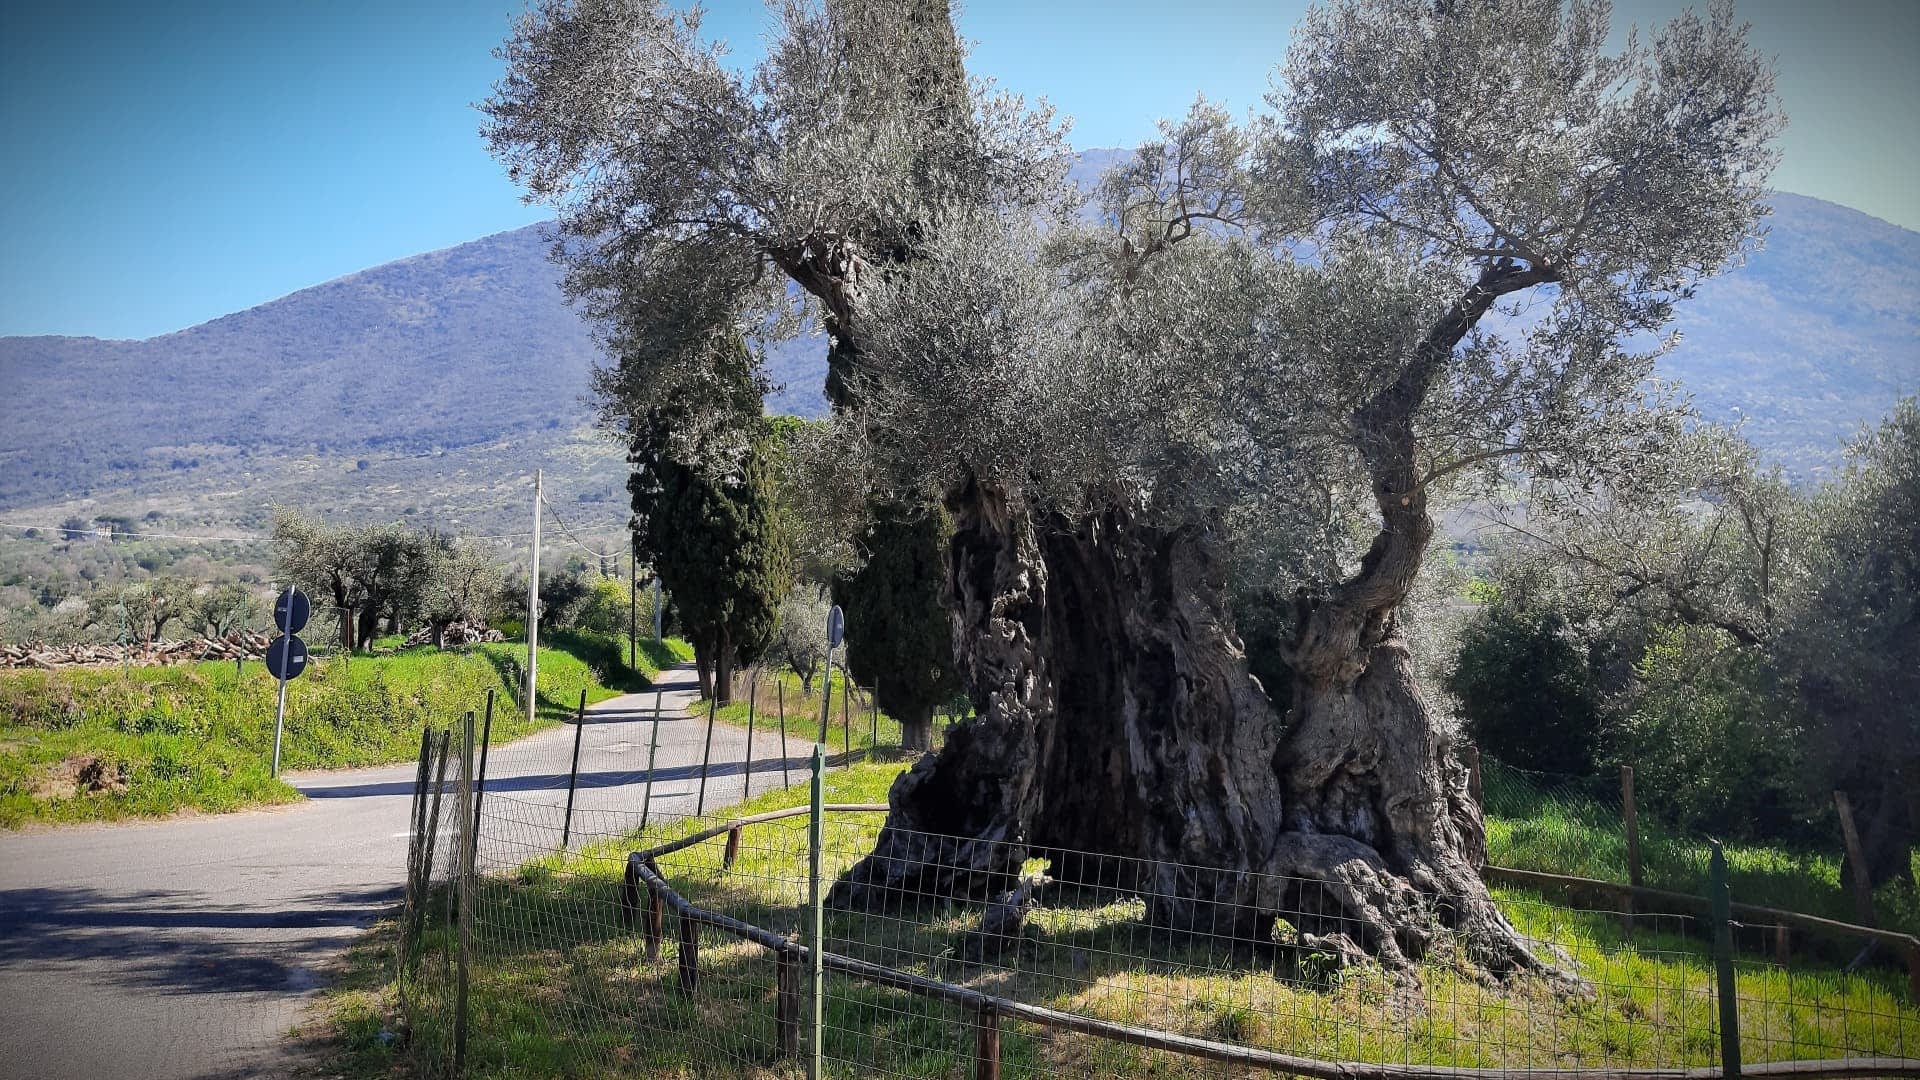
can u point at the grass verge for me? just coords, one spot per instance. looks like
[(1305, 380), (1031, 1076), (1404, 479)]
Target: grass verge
[(560, 988), (855, 726), (98, 744), (1557, 832)]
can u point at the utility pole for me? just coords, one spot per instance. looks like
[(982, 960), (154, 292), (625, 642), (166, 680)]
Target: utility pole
[(633, 602), (533, 603)]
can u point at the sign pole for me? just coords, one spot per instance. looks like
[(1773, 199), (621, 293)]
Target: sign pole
[(533, 604), (290, 613), (280, 710), (826, 697)]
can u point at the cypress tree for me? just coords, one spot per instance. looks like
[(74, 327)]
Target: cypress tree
[(899, 636), (712, 532)]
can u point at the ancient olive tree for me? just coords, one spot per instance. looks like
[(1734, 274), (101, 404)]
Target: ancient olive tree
[(1137, 422), (1283, 323)]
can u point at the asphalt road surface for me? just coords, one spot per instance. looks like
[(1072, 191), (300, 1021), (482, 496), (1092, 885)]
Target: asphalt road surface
[(189, 947)]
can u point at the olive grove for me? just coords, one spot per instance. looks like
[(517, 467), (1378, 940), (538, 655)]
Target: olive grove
[(1227, 391)]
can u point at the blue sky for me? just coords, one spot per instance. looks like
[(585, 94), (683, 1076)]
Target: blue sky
[(169, 163)]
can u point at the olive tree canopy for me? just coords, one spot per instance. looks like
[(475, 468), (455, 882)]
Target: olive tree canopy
[(1448, 248)]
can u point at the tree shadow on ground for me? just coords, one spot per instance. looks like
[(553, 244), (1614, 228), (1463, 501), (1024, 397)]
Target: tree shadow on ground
[(174, 942)]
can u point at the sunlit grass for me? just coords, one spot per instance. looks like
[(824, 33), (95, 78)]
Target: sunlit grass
[(1558, 832), (561, 988), (200, 735)]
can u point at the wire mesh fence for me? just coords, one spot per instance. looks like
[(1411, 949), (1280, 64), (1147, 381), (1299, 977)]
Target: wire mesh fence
[(661, 943)]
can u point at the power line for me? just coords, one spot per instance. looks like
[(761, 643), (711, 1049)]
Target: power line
[(568, 529)]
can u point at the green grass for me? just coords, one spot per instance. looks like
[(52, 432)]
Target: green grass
[(850, 729), (559, 988), (200, 736), (1562, 832)]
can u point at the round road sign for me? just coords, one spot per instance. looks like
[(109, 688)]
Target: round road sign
[(291, 611), (286, 656), (836, 626)]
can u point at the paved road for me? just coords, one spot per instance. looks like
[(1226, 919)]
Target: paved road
[(187, 948)]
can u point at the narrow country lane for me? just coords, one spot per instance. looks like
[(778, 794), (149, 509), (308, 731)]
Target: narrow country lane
[(187, 948)]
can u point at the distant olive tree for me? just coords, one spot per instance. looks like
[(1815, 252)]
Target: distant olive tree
[(220, 609), (462, 587), (800, 640), (142, 610), (1851, 644)]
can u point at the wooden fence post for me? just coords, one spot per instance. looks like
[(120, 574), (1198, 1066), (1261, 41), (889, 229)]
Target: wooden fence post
[(1856, 860), (689, 954), (655, 918), (463, 860), (733, 848), (746, 783), (986, 1044), (1468, 753), (786, 1015), (1630, 813), (573, 771)]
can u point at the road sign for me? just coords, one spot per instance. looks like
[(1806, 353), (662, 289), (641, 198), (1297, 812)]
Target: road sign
[(291, 611), (836, 626), (287, 657)]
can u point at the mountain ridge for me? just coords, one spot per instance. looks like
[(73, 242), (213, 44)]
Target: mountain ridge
[(474, 345)]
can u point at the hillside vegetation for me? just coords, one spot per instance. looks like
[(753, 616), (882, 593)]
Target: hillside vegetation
[(91, 744), (449, 372)]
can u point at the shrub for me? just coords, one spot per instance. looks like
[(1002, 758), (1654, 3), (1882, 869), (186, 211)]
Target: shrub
[(1525, 690), (1714, 751)]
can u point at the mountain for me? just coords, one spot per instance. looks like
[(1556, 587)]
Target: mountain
[(427, 366)]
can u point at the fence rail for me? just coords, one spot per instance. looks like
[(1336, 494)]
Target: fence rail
[(1907, 944), (642, 871), (611, 942)]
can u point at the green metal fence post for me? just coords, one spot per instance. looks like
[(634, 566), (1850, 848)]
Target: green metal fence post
[(816, 916), (1724, 991), (653, 751)]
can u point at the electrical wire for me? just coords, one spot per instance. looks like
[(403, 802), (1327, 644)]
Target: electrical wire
[(577, 542)]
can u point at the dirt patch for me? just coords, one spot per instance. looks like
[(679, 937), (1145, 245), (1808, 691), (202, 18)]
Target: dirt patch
[(77, 775)]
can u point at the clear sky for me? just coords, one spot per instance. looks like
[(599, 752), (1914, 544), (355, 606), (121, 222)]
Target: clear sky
[(167, 163)]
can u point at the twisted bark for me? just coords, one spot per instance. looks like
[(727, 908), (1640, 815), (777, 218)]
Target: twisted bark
[(1116, 716)]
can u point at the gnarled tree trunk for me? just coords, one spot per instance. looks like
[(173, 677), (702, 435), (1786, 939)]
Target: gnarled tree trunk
[(1117, 716)]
